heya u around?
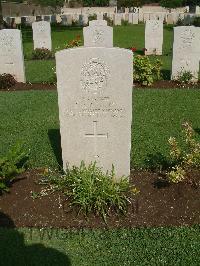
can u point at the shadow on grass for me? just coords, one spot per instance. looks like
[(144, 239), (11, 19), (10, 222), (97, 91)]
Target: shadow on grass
[(197, 130), (64, 28), (166, 74), (27, 35), (55, 140), (157, 161), (14, 251), (169, 27)]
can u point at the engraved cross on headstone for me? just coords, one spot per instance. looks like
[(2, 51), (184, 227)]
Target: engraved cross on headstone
[(95, 136)]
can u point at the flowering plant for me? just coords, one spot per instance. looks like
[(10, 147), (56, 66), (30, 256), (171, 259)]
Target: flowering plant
[(184, 159), (74, 43), (133, 49)]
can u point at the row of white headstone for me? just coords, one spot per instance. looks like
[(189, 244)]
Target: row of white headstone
[(186, 51), (117, 18)]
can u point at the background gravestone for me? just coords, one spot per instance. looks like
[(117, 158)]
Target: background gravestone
[(186, 51), (11, 54), (153, 37), (130, 18), (98, 22), (99, 16), (98, 36), (118, 19), (95, 106), (135, 18), (42, 35)]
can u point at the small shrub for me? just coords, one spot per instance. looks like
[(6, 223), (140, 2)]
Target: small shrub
[(145, 71), (176, 175), (92, 190), (124, 22), (92, 17), (109, 21), (183, 159), (42, 54), (180, 22), (12, 164), (185, 77), (74, 43), (7, 81)]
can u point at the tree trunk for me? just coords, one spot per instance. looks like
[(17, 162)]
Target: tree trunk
[(1, 16)]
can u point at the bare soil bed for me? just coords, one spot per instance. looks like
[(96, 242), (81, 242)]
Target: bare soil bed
[(157, 204)]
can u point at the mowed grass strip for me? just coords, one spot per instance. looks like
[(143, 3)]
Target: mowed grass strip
[(124, 37), (159, 246), (157, 114)]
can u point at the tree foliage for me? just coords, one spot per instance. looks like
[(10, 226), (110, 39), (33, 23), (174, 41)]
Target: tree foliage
[(172, 3), (52, 3)]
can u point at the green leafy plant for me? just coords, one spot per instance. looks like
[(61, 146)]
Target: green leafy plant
[(183, 159), (125, 22), (180, 22), (42, 54), (146, 71), (7, 81), (12, 164), (109, 20), (92, 17), (185, 77), (196, 22), (92, 190)]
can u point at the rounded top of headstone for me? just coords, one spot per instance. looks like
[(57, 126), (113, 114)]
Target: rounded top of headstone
[(98, 22)]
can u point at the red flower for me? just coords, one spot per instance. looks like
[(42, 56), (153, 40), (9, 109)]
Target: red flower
[(133, 49)]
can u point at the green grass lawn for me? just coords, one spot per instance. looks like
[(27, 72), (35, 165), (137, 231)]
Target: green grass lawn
[(157, 114), (161, 246), (124, 37)]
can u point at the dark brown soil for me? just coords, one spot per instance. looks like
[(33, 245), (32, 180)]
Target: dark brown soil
[(157, 204), (30, 86), (162, 84), (169, 84)]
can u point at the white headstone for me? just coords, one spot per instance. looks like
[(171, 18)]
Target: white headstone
[(153, 37), (186, 51), (58, 19), (152, 16), (130, 18), (118, 19), (95, 106), (141, 15), (69, 19), (126, 10), (135, 18), (125, 16), (42, 35), (30, 20), (172, 18), (98, 36), (75, 18), (98, 23), (84, 19), (197, 11), (146, 17), (100, 16), (18, 20), (11, 54)]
